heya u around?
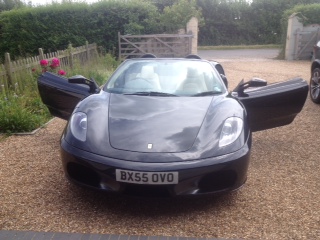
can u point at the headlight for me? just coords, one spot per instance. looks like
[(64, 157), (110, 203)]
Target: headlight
[(231, 130), (78, 126)]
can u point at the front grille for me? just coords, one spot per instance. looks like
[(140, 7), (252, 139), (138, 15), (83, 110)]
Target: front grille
[(83, 175), (147, 191), (217, 181)]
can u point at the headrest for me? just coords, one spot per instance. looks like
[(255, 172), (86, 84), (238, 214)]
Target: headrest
[(192, 73), (147, 72)]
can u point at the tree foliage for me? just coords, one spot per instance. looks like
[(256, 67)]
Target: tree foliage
[(53, 27), (224, 22), (6, 5), (161, 4), (243, 22), (177, 15)]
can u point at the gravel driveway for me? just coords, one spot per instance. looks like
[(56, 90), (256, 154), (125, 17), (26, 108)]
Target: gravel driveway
[(279, 201)]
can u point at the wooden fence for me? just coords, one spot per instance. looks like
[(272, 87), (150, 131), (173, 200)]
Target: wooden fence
[(11, 70), (162, 45)]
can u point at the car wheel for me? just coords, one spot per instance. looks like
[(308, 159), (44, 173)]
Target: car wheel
[(315, 85)]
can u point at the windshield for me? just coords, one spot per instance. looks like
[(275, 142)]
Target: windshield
[(166, 77)]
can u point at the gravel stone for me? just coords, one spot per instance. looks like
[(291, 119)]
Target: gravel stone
[(279, 201)]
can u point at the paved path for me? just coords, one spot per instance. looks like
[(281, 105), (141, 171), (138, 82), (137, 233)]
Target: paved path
[(239, 54), (30, 235)]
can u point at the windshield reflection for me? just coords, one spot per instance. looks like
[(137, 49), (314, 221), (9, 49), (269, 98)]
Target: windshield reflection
[(166, 77)]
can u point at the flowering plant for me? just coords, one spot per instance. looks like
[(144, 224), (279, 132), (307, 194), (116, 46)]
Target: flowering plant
[(51, 66)]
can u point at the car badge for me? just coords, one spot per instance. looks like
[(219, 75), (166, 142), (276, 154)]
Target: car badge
[(149, 145)]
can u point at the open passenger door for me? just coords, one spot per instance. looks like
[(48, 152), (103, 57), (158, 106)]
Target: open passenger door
[(272, 105), (61, 95)]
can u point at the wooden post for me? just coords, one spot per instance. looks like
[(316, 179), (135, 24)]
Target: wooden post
[(41, 55), (70, 55), (8, 68), (189, 45), (119, 40), (88, 52)]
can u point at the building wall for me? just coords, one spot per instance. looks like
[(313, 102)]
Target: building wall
[(300, 39), (192, 28)]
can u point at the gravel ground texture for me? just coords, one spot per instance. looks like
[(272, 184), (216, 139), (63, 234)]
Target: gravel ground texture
[(279, 201)]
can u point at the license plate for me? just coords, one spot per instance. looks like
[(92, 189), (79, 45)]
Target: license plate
[(156, 178)]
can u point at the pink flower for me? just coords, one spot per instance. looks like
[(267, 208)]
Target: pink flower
[(61, 72), (44, 62), (55, 63)]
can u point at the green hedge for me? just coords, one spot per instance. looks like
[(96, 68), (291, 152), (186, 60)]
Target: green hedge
[(53, 27), (222, 22)]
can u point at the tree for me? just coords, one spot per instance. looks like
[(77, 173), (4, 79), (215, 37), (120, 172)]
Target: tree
[(225, 22), (177, 16), (161, 4), (243, 22), (6, 5), (268, 13)]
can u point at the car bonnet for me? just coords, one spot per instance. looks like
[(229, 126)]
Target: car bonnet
[(155, 124)]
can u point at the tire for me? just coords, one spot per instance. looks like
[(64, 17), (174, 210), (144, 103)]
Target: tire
[(315, 85)]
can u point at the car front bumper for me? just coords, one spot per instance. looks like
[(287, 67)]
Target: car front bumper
[(204, 176)]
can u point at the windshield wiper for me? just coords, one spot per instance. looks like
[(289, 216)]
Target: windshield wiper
[(208, 93), (162, 94)]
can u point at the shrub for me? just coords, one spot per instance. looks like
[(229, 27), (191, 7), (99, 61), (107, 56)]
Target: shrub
[(21, 109), (54, 26), (22, 114)]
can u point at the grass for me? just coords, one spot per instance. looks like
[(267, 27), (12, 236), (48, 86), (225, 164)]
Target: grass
[(100, 69), (22, 114), (224, 47), (21, 108)]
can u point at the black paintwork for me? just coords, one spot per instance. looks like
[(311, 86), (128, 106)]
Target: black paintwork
[(184, 131), (121, 126), (59, 95), (275, 104), (201, 176)]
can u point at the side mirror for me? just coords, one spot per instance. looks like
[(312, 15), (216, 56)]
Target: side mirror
[(79, 79), (254, 82)]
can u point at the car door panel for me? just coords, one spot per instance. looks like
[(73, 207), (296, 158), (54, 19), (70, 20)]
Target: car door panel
[(59, 95), (274, 105)]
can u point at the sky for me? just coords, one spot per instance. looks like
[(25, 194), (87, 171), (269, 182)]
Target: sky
[(43, 2)]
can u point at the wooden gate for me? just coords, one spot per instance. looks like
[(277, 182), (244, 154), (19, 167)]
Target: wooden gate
[(161, 45), (305, 41)]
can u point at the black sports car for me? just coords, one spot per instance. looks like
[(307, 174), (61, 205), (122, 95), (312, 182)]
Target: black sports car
[(165, 126)]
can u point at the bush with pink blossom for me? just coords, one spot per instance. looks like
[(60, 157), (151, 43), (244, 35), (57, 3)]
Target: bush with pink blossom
[(51, 66)]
